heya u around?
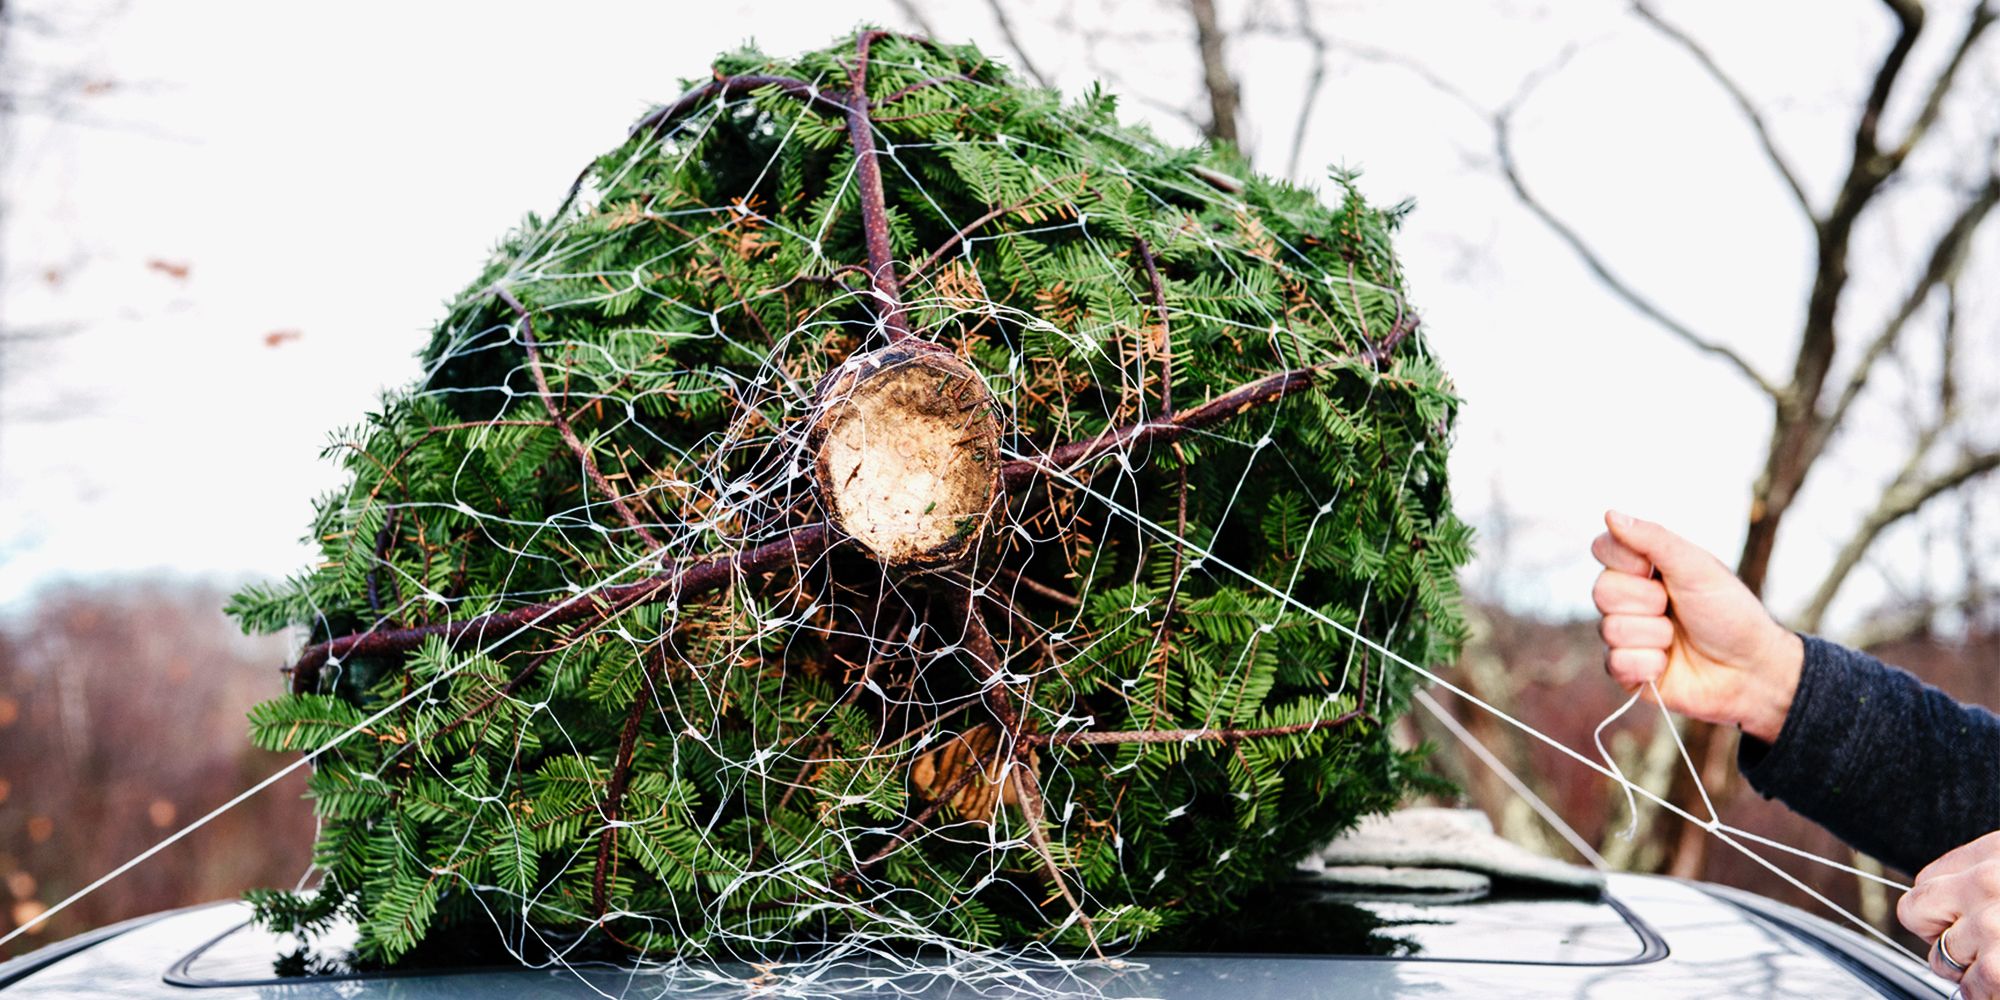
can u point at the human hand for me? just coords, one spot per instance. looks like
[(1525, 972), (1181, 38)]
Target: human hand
[(1693, 629), (1956, 900)]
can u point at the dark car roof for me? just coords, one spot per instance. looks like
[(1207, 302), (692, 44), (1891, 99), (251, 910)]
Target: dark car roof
[(1648, 937)]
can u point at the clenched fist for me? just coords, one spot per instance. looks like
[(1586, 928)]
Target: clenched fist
[(1674, 615)]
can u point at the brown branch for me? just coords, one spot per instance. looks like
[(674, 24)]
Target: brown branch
[(1224, 95), (874, 209), (1165, 341), (1406, 323), (1743, 103), (614, 791), (1947, 256), (854, 106), (1189, 735), (1981, 19), (1904, 497), (932, 259), (1866, 173), (505, 691), (684, 580), (1503, 147), (1028, 789), (1800, 433), (1166, 348), (1061, 458), (384, 538), (1216, 179), (1037, 587), (1909, 24), (1906, 493), (1021, 771), (916, 822), (986, 660), (569, 437)]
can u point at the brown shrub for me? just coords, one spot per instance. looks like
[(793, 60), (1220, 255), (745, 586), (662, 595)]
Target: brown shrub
[(121, 719)]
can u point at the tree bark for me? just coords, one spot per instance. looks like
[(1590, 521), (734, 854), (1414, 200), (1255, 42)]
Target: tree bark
[(1223, 94)]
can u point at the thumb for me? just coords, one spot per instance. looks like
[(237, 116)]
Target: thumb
[(1673, 555)]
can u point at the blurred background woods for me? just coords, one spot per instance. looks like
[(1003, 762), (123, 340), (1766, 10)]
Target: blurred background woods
[(1714, 263), (121, 718)]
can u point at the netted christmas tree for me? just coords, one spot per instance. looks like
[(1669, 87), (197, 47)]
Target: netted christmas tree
[(884, 506)]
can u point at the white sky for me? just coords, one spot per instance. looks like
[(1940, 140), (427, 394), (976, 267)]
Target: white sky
[(339, 170)]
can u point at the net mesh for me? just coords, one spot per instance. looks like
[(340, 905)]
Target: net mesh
[(884, 513)]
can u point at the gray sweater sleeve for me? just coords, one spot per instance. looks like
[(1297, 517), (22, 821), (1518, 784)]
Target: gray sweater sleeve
[(1889, 764)]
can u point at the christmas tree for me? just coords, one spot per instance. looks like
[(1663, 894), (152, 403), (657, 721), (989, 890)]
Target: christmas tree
[(883, 505)]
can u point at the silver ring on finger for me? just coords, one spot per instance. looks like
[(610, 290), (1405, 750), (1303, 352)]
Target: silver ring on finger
[(1945, 953)]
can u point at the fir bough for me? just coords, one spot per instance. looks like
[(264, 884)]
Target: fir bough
[(616, 679)]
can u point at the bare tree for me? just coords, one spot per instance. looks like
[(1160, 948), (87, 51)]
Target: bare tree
[(1223, 93), (1811, 406)]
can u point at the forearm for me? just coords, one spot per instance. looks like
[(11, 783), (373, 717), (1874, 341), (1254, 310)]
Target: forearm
[(1893, 766)]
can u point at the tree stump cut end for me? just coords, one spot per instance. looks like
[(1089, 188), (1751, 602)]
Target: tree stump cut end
[(906, 445)]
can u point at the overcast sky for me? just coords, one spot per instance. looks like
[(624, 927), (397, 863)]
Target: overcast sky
[(250, 214)]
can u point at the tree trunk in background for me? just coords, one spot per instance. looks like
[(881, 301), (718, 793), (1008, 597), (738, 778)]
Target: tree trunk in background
[(1223, 95)]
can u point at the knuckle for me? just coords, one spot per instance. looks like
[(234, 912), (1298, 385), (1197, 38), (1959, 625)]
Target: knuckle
[(1649, 632), (1982, 981), (1617, 630), (1601, 592), (1910, 906), (1986, 877)]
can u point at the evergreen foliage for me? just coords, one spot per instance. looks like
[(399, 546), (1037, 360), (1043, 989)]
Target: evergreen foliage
[(732, 769)]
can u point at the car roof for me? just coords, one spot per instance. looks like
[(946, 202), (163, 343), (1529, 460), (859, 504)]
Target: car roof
[(1690, 941)]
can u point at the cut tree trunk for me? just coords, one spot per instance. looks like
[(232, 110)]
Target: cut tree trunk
[(906, 444)]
